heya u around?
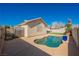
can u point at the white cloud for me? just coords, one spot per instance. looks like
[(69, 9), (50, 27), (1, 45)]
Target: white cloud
[(75, 25), (59, 24)]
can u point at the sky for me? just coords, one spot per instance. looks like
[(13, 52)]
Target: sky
[(13, 14)]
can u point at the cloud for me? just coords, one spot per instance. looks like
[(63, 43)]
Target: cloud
[(58, 23), (75, 25)]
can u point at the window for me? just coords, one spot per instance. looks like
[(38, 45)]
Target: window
[(39, 27)]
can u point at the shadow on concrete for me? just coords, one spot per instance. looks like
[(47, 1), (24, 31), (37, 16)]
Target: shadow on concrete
[(72, 49), (19, 47), (13, 46)]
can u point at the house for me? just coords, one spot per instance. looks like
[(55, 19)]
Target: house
[(59, 30), (32, 27), (57, 27)]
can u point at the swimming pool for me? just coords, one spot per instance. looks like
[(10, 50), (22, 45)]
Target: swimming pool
[(51, 41)]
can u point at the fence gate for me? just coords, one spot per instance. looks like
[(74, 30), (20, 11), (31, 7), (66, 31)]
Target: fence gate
[(19, 31), (6, 34)]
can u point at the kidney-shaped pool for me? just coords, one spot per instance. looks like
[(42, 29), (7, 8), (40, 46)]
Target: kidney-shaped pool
[(51, 41)]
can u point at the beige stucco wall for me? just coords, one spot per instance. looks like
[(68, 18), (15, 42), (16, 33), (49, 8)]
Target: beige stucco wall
[(43, 30), (61, 30), (25, 30), (30, 29)]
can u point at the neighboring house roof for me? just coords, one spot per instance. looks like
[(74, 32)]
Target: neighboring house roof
[(28, 21)]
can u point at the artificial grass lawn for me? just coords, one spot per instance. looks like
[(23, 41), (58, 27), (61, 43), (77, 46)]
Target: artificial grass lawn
[(57, 33)]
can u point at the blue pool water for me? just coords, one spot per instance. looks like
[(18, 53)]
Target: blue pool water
[(51, 41)]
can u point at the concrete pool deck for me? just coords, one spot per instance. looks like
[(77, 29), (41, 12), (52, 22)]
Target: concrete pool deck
[(26, 47), (62, 50)]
